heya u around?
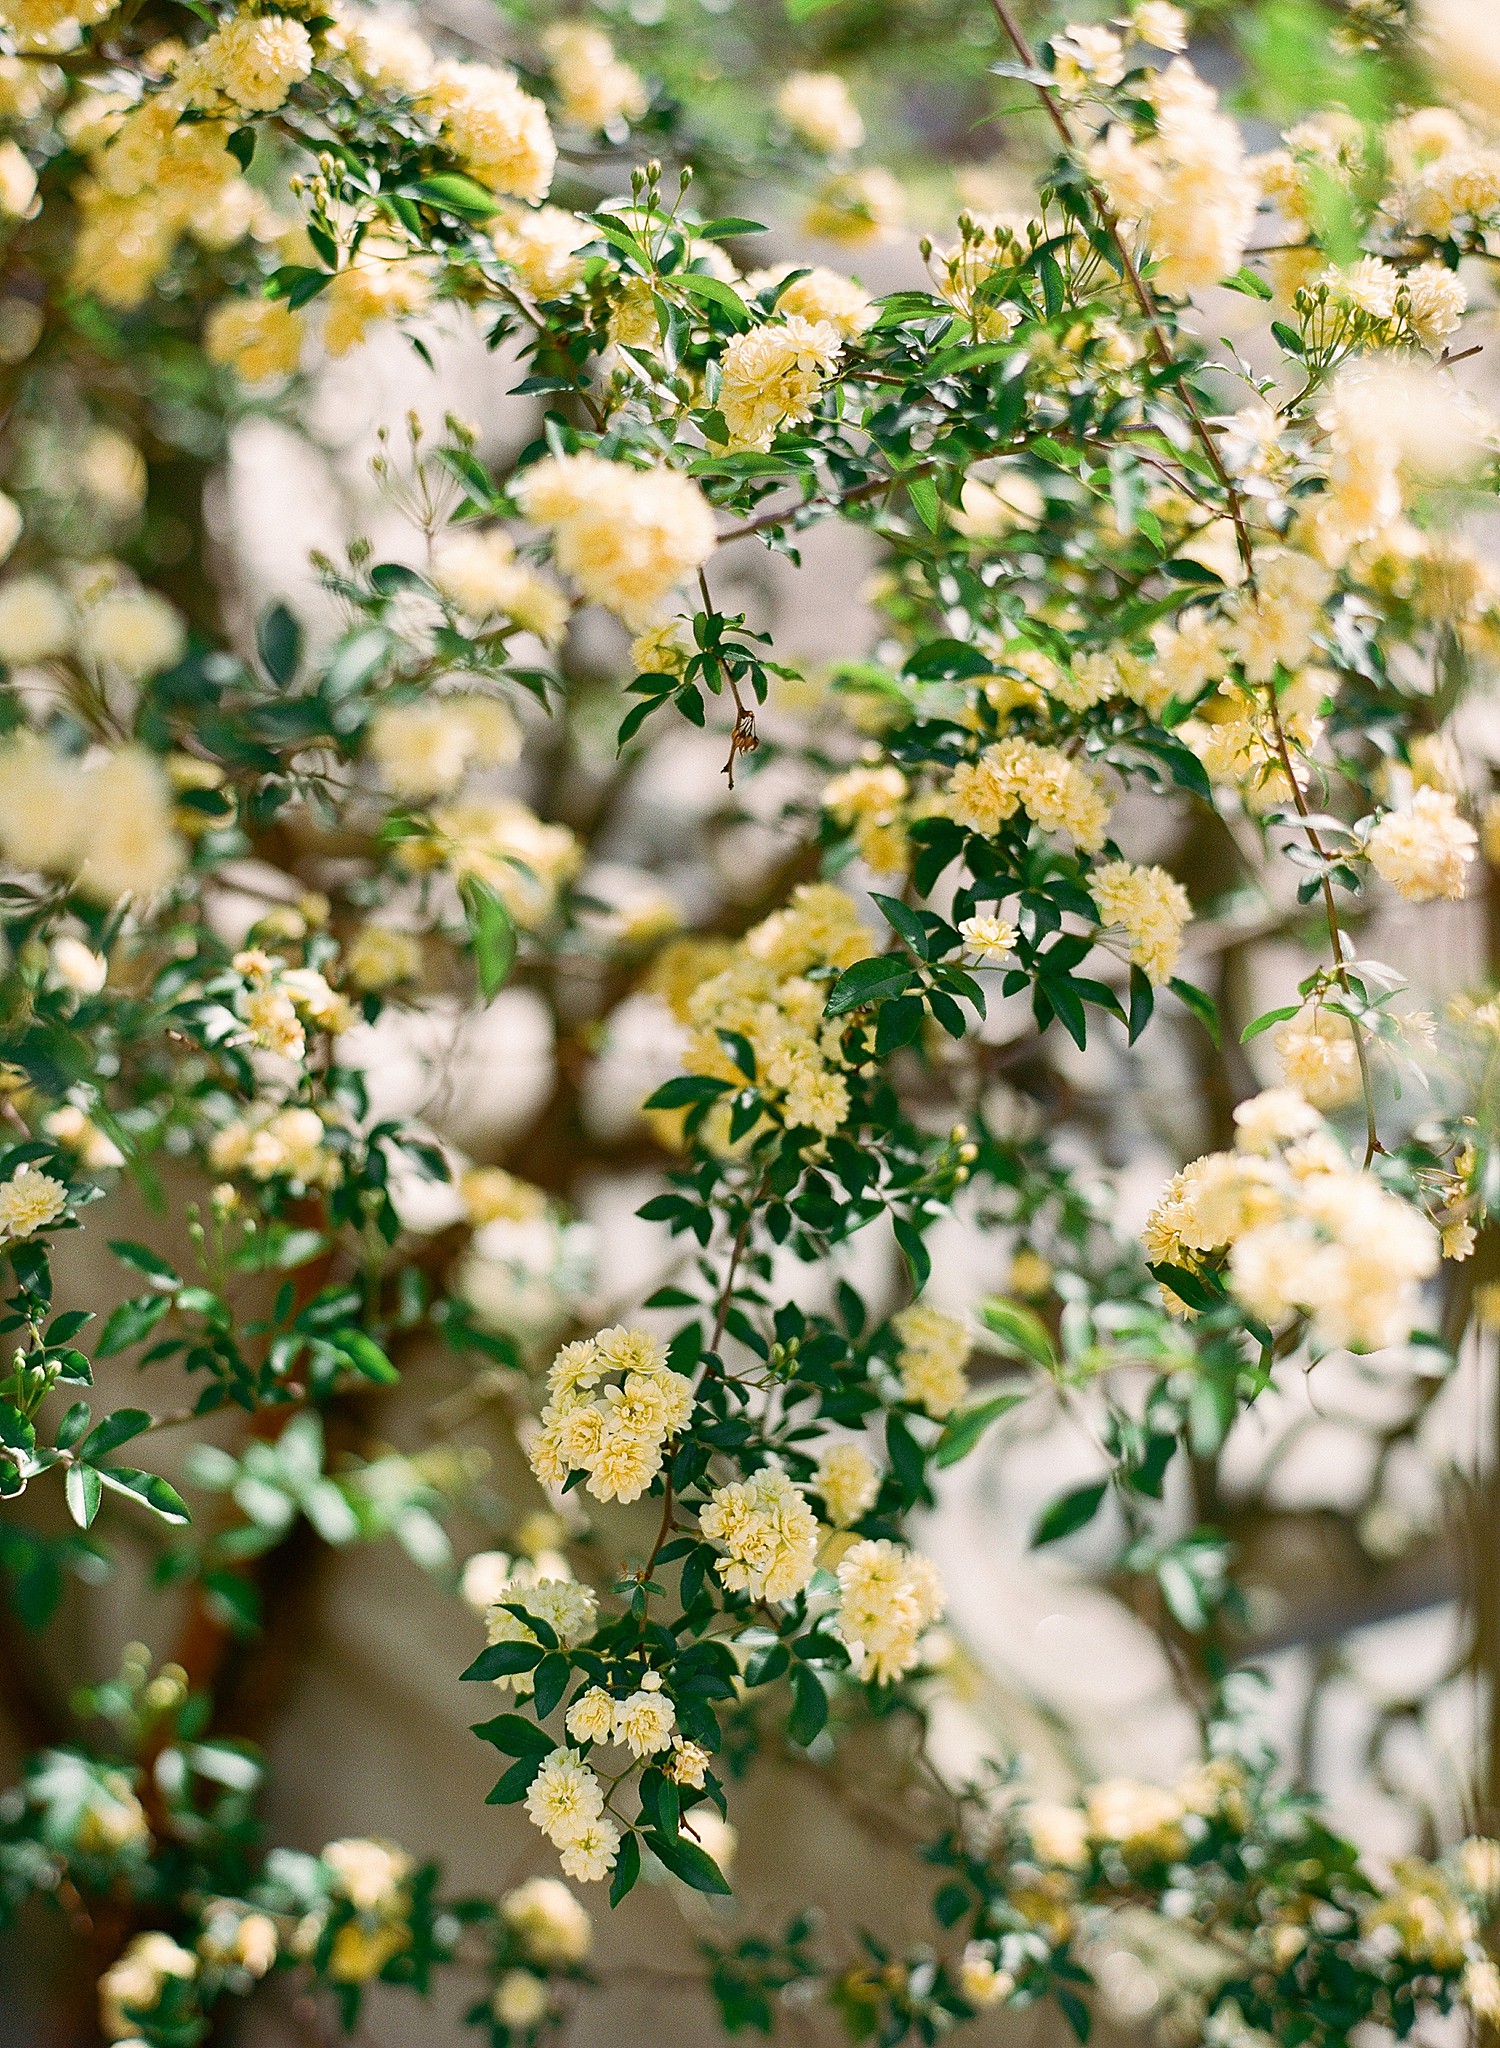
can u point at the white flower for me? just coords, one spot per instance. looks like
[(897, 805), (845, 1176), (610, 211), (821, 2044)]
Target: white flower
[(522, 2000), (565, 1798), (29, 1201), (1425, 848), (816, 106), (551, 1925)]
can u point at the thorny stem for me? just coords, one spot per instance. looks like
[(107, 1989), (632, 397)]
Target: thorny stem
[(1161, 341)]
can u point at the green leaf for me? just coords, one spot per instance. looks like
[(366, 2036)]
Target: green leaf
[(809, 1705), (923, 494), (716, 293), (455, 193), (1019, 1329), (503, 1660), (514, 1734), (83, 1493), (866, 981), (515, 1784), (492, 934), (1266, 1019), (149, 1488), (918, 1259), (366, 1356), (627, 1869), (964, 1429), (146, 1261), (279, 639), (552, 1676), (1069, 1513), (903, 920), (1250, 282), (686, 1860), (684, 1090), (132, 1321), (113, 1431), (1202, 1005), (730, 224)]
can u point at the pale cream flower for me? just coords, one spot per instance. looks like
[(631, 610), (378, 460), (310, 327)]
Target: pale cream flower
[(29, 1201), (887, 1596), (552, 1926), (1149, 906), (848, 1480), (259, 339), (816, 106), (565, 1799), (370, 289), (372, 1875), (521, 2000), (136, 632), (35, 621), (134, 1982), (253, 59), (934, 1351), (1424, 849), (645, 1722), (542, 245), (591, 1853), (627, 537), (380, 956), (857, 207), (596, 88), (769, 1532), (499, 134), (821, 295), (771, 378)]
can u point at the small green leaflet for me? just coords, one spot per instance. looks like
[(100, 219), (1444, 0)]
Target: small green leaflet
[(965, 1428), (492, 933)]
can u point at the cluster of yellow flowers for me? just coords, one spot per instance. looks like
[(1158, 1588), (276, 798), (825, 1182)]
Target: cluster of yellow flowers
[(869, 802), (479, 573), (614, 1405), (566, 1801), (427, 746), (1149, 907), (934, 1351), (771, 376), (1307, 1232), (816, 106), (103, 821), (762, 992), (1047, 784), (1423, 848), (825, 297), (280, 1002), (1319, 1056), (502, 844), (597, 90), (627, 537), (375, 1878), (544, 1589), (271, 1141), (643, 1722), (498, 133), (770, 1533), (888, 1595), (1184, 187)]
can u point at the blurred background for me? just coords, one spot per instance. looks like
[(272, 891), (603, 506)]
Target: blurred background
[(1362, 1505)]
